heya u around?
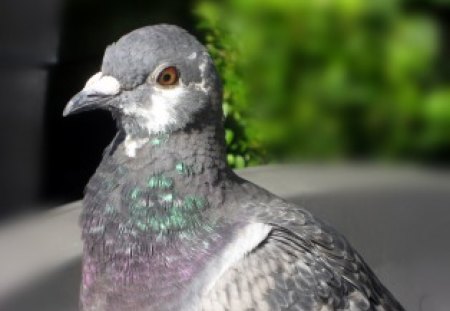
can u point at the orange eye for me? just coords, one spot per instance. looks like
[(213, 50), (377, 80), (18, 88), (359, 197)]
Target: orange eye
[(168, 76)]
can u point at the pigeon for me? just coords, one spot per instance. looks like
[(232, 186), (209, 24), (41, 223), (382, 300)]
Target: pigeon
[(167, 225)]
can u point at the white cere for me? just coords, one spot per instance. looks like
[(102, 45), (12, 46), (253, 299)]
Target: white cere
[(93, 79), (101, 84)]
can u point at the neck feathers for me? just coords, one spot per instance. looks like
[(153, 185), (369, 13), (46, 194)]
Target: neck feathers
[(167, 188)]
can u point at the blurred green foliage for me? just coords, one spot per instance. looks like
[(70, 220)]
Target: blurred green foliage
[(328, 79)]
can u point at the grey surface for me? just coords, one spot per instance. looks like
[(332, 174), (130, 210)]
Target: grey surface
[(403, 236), (399, 220)]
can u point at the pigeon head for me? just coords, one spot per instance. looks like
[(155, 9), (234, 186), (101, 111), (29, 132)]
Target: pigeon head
[(154, 79)]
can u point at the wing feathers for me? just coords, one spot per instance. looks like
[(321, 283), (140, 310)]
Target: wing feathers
[(301, 267)]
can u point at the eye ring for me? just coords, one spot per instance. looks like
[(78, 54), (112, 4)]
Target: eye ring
[(169, 76)]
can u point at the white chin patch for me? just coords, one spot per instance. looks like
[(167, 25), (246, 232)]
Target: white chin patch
[(162, 115), (101, 84)]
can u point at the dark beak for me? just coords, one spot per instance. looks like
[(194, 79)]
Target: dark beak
[(98, 93), (86, 100)]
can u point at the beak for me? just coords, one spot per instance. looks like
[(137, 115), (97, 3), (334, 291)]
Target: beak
[(99, 90)]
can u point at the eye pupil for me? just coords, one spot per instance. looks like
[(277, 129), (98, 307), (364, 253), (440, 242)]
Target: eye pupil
[(168, 76)]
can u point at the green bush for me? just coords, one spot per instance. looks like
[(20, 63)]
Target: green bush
[(328, 79)]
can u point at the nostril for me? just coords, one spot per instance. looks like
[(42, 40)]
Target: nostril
[(96, 95)]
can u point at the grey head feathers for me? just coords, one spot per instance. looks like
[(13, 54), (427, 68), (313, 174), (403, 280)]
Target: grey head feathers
[(127, 84), (137, 54)]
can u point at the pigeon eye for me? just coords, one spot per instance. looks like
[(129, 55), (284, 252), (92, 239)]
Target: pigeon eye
[(168, 76)]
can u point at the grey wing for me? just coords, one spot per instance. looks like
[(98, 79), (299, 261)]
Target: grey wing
[(303, 264)]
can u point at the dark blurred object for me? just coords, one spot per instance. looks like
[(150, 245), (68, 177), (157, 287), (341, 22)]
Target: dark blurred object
[(28, 46), (21, 118), (29, 32)]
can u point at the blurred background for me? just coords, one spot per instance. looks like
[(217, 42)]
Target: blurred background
[(322, 81)]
